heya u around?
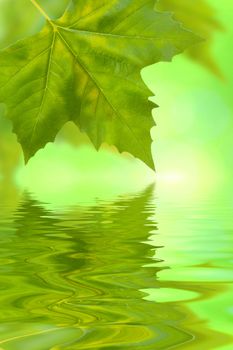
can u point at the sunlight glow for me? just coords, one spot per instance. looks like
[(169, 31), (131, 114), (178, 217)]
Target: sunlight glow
[(172, 177)]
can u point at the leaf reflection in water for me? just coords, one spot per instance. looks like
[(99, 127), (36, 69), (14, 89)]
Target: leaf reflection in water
[(80, 278)]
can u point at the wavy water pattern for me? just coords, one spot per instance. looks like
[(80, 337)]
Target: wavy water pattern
[(95, 278)]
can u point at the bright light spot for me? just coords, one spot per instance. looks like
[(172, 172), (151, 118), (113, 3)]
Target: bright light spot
[(172, 177)]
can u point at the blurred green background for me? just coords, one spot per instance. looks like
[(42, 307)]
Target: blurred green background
[(192, 150), (194, 122), (192, 145)]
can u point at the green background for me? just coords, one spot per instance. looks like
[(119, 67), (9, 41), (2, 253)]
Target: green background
[(192, 150), (192, 145)]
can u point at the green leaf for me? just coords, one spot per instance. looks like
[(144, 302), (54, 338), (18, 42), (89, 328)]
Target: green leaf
[(200, 18), (85, 68)]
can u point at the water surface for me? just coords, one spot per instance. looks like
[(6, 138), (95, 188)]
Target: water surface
[(134, 273)]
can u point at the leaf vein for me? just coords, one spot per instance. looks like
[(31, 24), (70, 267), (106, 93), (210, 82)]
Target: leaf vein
[(27, 64), (100, 88), (45, 89)]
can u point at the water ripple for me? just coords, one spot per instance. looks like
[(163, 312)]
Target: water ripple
[(87, 278)]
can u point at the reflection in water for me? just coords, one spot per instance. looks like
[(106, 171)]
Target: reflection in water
[(87, 278)]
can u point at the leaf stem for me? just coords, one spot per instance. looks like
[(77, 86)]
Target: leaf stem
[(39, 8)]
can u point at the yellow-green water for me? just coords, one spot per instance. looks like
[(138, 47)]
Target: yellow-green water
[(138, 272)]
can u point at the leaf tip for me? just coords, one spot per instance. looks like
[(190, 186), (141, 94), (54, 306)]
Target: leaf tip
[(26, 157)]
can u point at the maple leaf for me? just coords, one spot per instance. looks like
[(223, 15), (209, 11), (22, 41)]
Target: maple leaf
[(85, 68)]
